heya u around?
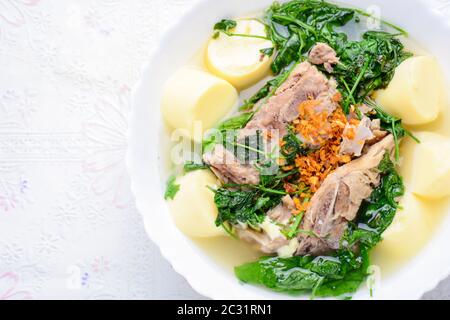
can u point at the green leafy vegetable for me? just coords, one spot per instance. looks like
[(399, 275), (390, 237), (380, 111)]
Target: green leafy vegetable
[(283, 275), (342, 273), (391, 124), (322, 276), (250, 150), (377, 213), (237, 122), (288, 53), (243, 206), (292, 147), (250, 203), (225, 130), (293, 231), (367, 65), (349, 283), (267, 52), (226, 26), (172, 188), (296, 26), (190, 166)]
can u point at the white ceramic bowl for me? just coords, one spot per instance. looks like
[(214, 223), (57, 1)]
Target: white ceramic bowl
[(146, 156)]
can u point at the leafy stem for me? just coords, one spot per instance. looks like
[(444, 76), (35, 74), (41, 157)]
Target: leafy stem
[(296, 21), (245, 35), (391, 124), (294, 229), (358, 80), (401, 31)]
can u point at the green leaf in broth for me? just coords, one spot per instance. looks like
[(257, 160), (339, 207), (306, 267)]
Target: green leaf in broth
[(172, 188)]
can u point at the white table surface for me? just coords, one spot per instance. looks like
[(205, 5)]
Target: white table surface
[(68, 225)]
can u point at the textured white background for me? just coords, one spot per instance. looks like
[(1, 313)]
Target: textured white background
[(68, 225)]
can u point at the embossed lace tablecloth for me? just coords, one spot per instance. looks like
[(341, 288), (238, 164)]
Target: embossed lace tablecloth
[(68, 225)]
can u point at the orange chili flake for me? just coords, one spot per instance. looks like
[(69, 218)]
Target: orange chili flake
[(306, 107), (345, 159), (314, 180), (327, 132), (337, 97), (289, 188), (296, 212), (301, 204), (313, 126), (350, 133)]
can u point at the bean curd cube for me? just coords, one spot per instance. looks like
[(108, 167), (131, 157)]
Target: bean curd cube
[(193, 207), (195, 100), (416, 93), (239, 59), (409, 231), (431, 174)]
